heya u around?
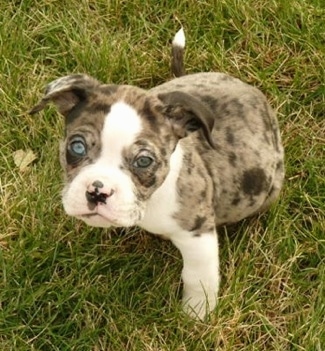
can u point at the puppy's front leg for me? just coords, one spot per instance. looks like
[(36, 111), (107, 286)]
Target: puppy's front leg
[(200, 272)]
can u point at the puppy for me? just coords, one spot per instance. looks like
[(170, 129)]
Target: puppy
[(178, 160)]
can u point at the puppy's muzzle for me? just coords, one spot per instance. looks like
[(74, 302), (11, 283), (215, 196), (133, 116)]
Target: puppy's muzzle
[(96, 195)]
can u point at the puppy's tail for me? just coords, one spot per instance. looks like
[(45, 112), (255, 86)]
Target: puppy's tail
[(178, 47)]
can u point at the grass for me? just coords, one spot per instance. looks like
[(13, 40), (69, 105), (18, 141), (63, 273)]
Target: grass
[(65, 286)]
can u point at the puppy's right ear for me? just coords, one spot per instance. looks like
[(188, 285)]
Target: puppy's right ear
[(67, 92)]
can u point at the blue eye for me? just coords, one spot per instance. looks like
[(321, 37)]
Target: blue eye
[(143, 162), (77, 147)]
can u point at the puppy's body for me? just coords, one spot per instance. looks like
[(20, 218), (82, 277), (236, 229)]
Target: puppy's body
[(178, 160), (244, 172)]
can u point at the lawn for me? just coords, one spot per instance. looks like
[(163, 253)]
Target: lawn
[(66, 286)]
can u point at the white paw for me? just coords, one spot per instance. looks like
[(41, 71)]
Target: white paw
[(199, 304)]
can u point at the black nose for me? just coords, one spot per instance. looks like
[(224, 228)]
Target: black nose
[(98, 184), (96, 197), (95, 193)]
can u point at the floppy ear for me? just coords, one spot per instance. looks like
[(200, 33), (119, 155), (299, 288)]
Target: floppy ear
[(67, 92), (188, 114)]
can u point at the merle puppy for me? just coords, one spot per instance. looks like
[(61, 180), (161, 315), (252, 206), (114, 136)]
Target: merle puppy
[(178, 160)]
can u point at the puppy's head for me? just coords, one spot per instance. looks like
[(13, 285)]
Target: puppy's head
[(118, 143)]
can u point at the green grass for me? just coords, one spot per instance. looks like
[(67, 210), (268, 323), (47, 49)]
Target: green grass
[(65, 286)]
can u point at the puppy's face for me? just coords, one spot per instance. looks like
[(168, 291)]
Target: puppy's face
[(117, 147), (114, 161)]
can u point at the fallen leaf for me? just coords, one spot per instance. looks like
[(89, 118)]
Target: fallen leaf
[(23, 159)]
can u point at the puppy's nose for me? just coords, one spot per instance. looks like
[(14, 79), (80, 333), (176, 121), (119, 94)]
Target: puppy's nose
[(95, 196), (98, 184)]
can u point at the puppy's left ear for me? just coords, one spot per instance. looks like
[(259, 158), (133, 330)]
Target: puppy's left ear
[(67, 92), (187, 114)]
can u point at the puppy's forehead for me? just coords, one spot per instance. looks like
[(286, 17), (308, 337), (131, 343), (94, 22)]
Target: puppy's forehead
[(121, 127), (113, 122), (100, 102)]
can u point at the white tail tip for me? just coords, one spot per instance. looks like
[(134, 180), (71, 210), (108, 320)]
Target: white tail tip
[(179, 38)]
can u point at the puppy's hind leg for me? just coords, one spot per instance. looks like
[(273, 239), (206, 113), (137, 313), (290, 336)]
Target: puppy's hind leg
[(275, 188)]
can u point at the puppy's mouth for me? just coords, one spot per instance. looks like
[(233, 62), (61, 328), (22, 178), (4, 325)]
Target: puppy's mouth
[(126, 215), (89, 215), (92, 215), (95, 215)]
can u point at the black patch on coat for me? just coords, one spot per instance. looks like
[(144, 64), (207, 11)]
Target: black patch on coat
[(230, 136), (146, 180), (203, 194), (98, 107), (264, 111), (199, 221), (75, 112), (109, 89), (236, 201), (279, 166), (253, 181), (189, 163), (150, 115), (210, 101), (225, 78), (232, 158)]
